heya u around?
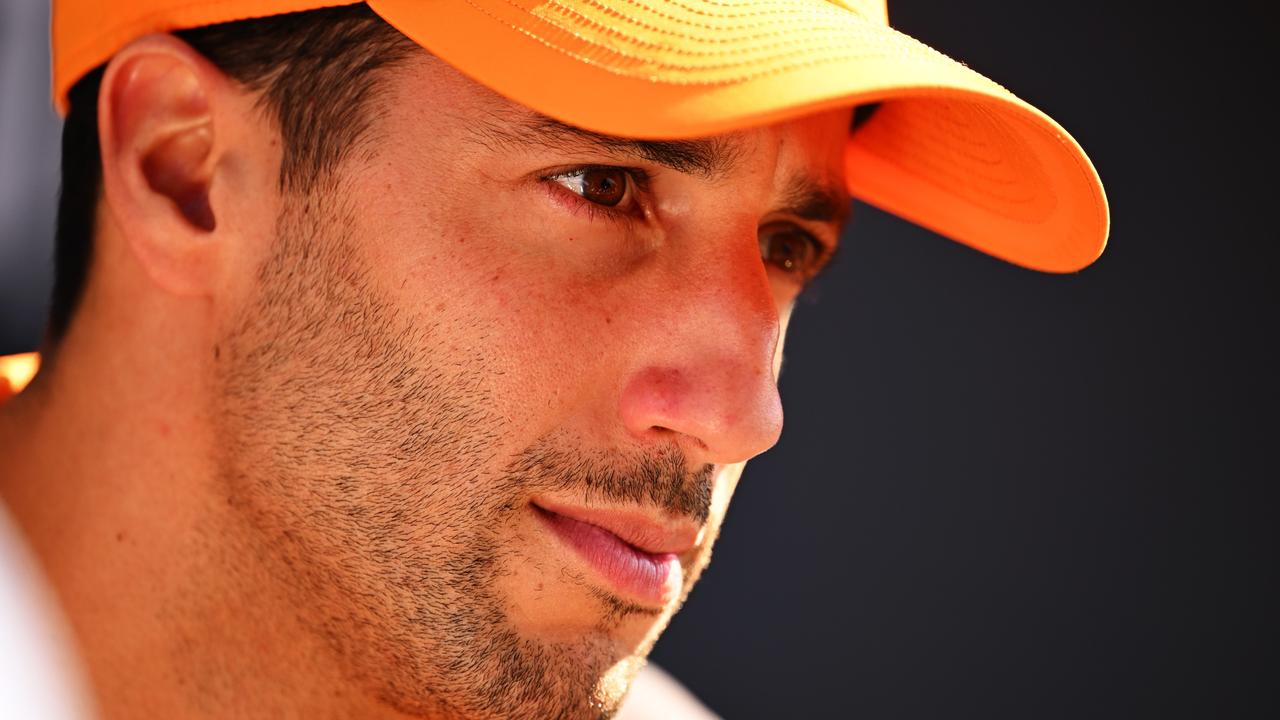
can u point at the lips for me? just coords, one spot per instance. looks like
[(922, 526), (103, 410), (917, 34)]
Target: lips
[(635, 555)]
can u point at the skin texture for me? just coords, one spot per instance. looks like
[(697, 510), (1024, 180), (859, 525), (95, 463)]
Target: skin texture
[(306, 489)]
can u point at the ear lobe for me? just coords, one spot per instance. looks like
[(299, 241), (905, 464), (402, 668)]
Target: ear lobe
[(156, 125)]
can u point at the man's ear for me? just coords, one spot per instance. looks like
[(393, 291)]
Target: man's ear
[(156, 123)]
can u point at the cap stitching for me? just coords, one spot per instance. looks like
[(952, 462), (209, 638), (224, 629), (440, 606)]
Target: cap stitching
[(563, 9), (906, 53)]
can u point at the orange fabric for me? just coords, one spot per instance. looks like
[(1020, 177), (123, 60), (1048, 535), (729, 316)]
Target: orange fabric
[(86, 33), (15, 372), (949, 149)]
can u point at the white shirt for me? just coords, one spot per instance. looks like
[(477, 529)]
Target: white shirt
[(39, 675)]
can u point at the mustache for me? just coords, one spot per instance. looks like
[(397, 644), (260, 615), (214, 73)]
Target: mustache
[(658, 478)]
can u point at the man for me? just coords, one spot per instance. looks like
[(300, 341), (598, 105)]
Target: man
[(404, 356)]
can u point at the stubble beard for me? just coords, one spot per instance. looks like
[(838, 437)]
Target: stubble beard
[(366, 468)]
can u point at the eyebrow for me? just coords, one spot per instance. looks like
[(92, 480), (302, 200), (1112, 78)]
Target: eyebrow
[(708, 158), (711, 158), (809, 199)]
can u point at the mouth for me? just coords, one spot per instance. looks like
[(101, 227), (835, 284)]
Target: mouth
[(634, 556)]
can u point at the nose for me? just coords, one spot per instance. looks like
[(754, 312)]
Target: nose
[(707, 378)]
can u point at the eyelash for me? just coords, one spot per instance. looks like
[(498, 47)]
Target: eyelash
[(639, 181)]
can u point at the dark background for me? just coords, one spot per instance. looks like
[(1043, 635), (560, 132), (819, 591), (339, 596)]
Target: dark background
[(1000, 494)]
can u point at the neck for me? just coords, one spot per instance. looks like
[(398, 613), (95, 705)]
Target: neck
[(175, 608)]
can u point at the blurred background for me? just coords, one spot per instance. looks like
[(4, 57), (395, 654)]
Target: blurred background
[(999, 494)]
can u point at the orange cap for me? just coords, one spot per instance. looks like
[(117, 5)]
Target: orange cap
[(948, 149)]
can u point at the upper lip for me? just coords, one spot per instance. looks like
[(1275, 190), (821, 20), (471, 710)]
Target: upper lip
[(634, 527)]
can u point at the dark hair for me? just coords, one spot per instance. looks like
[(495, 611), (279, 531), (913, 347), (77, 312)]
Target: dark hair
[(316, 74)]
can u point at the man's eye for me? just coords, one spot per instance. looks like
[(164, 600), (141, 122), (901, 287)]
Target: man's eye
[(790, 248), (601, 185)]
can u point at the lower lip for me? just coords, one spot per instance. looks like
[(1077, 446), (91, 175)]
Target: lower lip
[(639, 575)]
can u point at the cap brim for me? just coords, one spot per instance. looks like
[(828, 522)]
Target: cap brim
[(948, 149)]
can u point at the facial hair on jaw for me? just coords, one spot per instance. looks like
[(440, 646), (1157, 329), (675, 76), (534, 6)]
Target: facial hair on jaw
[(359, 462)]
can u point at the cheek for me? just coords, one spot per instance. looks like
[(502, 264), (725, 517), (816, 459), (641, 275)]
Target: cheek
[(466, 268), (558, 341), (248, 208)]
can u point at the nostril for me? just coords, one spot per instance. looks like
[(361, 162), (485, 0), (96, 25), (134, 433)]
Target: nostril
[(666, 435), (722, 411)]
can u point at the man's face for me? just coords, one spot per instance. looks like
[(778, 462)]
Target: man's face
[(489, 391)]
